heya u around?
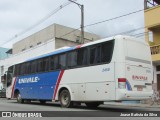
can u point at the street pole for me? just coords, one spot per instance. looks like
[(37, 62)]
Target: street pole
[(82, 20)]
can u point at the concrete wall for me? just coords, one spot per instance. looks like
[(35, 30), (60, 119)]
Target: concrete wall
[(152, 23), (61, 43), (60, 31), (32, 41), (52, 32)]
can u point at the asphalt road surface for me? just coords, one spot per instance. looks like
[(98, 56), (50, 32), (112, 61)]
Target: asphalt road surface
[(110, 110)]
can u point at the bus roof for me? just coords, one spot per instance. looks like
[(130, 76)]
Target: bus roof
[(52, 53)]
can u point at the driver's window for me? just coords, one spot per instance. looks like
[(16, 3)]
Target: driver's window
[(9, 76)]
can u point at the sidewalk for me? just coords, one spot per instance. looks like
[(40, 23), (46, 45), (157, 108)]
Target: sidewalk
[(131, 105)]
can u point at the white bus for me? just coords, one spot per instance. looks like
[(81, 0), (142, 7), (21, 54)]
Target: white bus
[(112, 69)]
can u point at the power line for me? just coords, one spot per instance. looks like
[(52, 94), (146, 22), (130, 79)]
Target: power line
[(65, 4), (105, 21), (114, 18), (39, 22)]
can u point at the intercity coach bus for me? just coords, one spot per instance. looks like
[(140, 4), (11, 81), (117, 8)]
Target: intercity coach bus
[(118, 68)]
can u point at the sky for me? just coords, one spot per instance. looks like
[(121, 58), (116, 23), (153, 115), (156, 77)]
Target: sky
[(17, 16)]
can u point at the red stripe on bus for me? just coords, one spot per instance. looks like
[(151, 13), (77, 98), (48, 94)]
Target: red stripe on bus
[(57, 84), (13, 88), (78, 46)]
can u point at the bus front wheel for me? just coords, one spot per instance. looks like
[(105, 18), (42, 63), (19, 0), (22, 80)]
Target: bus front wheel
[(65, 99), (19, 98)]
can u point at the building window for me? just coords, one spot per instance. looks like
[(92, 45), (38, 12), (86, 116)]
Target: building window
[(158, 68), (23, 49), (38, 43)]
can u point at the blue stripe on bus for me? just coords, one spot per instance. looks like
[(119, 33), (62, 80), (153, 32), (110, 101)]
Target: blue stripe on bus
[(128, 85), (37, 86), (52, 53)]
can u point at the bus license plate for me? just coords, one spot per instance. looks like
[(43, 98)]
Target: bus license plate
[(139, 88)]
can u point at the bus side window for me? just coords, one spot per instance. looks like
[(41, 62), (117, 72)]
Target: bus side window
[(28, 68), (82, 57), (45, 64), (62, 61), (54, 63), (22, 69), (95, 55), (107, 50), (40, 65), (72, 59), (33, 67), (16, 73)]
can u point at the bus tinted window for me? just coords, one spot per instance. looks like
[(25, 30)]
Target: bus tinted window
[(17, 70), (62, 61), (33, 67), (22, 69), (54, 63), (107, 51), (28, 68), (72, 59), (95, 54), (82, 57), (40, 65), (45, 64)]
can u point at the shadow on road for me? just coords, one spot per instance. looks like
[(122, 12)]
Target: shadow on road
[(83, 107)]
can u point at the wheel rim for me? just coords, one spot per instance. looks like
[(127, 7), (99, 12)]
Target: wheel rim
[(65, 99)]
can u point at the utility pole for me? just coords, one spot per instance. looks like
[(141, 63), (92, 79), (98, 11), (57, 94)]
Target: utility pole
[(82, 20)]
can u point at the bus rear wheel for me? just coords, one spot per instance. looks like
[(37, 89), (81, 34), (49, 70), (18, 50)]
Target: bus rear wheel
[(19, 98), (93, 104), (65, 99)]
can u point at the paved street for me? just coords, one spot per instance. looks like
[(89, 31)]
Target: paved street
[(12, 105)]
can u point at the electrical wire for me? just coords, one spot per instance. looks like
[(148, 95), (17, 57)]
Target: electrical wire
[(39, 22)]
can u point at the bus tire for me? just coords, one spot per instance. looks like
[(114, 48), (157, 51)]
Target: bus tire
[(19, 99), (93, 104), (65, 99)]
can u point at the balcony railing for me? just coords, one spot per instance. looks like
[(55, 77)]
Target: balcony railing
[(155, 49)]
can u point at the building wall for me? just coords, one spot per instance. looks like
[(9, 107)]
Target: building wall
[(152, 23), (33, 40), (61, 43), (60, 31), (52, 32)]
